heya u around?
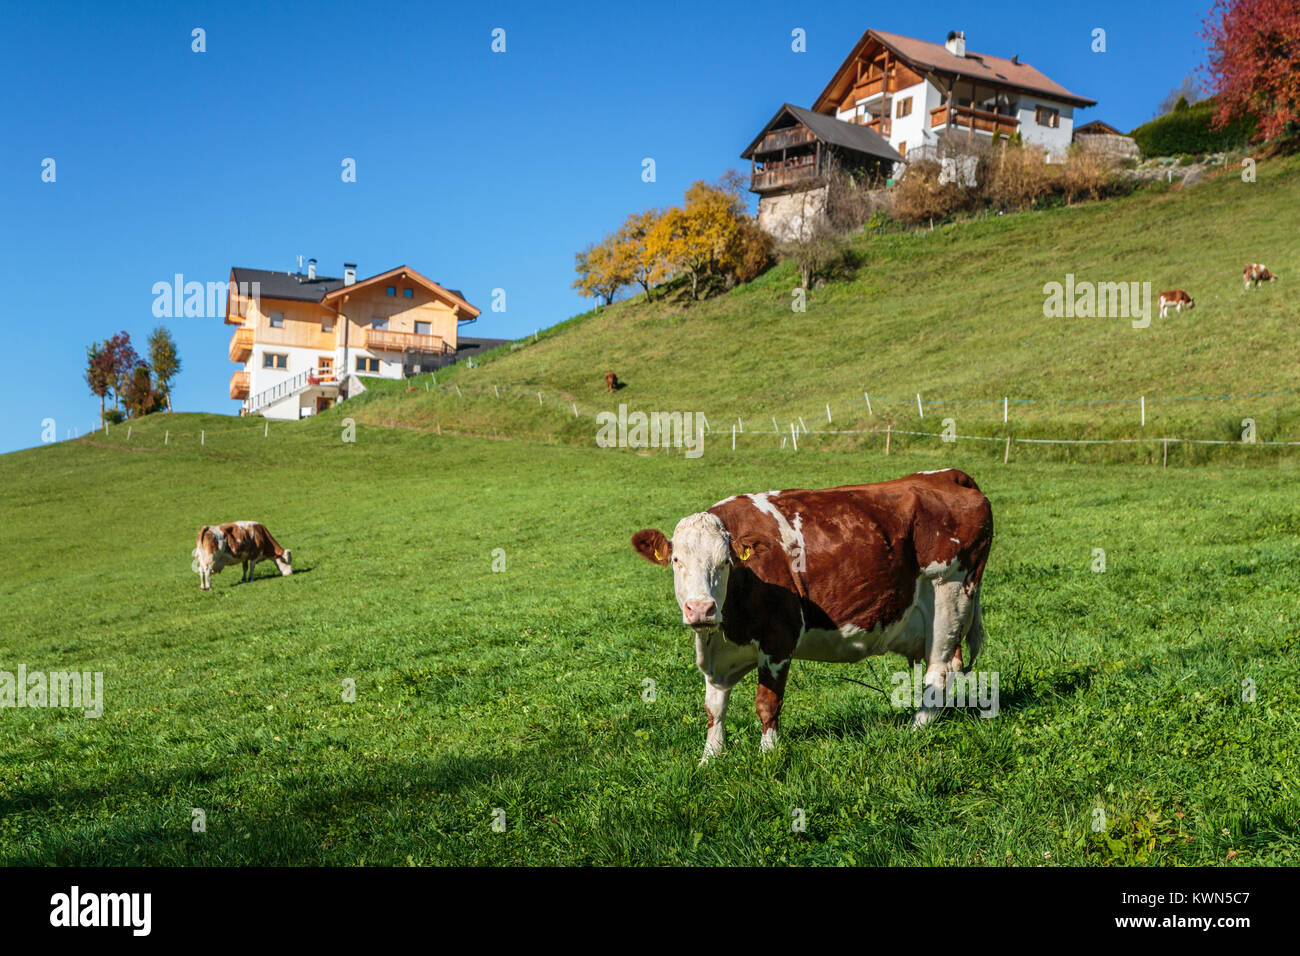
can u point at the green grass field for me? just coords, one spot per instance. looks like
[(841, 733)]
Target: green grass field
[(955, 315), (1161, 694), (522, 689)]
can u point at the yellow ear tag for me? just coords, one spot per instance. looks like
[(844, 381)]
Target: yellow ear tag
[(744, 555), (658, 556)]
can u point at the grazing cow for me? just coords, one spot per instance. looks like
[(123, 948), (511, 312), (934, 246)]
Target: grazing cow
[(1176, 298), (1255, 273), (833, 575), (240, 542), (611, 381)]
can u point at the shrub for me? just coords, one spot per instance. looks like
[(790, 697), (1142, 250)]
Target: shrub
[(919, 196), (1021, 177), (1188, 130), (114, 416)]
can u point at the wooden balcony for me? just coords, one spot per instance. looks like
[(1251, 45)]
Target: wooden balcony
[(867, 88), (778, 176), (780, 139), (980, 121), (241, 345), (879, 124), (386, 341), (239, 385)]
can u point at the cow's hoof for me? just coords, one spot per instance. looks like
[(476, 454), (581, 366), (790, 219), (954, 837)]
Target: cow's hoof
[(923, 717), (768, 742), (709, 754)]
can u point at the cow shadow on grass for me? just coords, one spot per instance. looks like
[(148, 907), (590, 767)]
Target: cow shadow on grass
[(152, 812), (276, 576), (1016, 692)]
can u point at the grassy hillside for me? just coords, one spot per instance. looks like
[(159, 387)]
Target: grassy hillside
[(955, 314), (522, 690)]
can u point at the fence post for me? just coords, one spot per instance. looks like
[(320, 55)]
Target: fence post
[(1004, 411), (794, 436), (733, 437), (1007, 454), (920, 412), (1144, 411), (889, 430), (167, 437), (828, 414), (868, 398)]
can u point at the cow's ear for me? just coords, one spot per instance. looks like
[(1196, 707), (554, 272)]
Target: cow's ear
[(743, 550), (651, 544)]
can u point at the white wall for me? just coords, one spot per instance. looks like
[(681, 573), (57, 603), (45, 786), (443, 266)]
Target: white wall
[(1055, 141), (300, 360)]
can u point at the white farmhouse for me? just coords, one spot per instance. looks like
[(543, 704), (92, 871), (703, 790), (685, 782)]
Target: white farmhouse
[(912, 91)]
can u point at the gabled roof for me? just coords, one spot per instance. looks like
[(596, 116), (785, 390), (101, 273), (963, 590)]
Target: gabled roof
[(1096, 128), (296, 287), (404, 272), (830, 130), (935, 57)]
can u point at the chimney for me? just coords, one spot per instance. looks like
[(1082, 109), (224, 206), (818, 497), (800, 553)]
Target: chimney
[(349, 273), (311, 268), (956, 44)]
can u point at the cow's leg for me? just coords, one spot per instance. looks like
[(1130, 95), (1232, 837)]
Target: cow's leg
[(772, 676), (245, 576), (716, 698), (952, 617)]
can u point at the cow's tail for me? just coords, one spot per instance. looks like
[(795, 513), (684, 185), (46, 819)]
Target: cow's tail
[(974, 638)]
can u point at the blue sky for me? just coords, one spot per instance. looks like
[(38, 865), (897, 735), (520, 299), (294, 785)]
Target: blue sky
[(480, 170)]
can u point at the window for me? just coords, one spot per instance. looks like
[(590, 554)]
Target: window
[(904, 107), (902, 148), (1047, 116), (327, 324), (367, 364), (275, 360), (391, 290), (325, 366), (379, 322), (409, 293), (277, 320), (423, 328)]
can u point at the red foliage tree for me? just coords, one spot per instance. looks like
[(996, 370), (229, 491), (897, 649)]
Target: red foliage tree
[(1254, 62), (99, 375), (122, 361)]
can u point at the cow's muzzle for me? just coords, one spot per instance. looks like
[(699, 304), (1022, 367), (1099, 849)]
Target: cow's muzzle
[(700, 613)]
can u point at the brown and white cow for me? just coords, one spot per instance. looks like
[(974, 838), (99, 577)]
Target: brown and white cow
[(1255, 273), (832, 575), (1176, 298), (239, 542)]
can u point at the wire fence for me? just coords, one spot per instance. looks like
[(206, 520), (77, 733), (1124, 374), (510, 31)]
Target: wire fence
[(796, 427)]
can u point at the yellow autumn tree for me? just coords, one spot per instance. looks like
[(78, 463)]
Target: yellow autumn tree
[(602, 270), (633, 248), (710, 237)]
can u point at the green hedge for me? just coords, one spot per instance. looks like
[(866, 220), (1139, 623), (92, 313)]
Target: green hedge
[(1187, 130)]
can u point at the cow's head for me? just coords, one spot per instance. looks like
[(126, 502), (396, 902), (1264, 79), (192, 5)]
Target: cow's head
[(700, 556), (284, 561), (1191, 303)]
